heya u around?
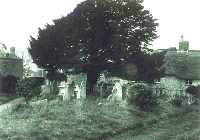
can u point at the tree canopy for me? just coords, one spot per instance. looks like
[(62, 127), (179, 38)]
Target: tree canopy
[(98, 35), (150, 66)]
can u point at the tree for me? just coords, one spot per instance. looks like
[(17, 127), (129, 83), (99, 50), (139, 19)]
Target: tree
[(29, 87), (48, 52), (149, 65), (44, 49), (102, 33), (26, 66)]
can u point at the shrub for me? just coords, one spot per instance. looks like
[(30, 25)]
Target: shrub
[(29, 87), (142, 96), (194, 91)]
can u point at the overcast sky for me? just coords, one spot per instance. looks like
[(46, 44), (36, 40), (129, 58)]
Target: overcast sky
[(21, 18)]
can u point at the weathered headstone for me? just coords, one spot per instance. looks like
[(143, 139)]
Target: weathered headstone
[(75, 87), (117, 91)]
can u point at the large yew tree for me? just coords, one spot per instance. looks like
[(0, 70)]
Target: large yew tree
[(98, 35)]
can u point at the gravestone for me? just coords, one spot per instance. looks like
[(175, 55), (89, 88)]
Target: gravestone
[(116, 94), (74, 88)]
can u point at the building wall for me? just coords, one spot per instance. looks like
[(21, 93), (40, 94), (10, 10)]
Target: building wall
[(10, 66), (172, 86)]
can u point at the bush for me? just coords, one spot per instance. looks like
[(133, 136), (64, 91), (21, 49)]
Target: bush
[(29, 87), (194, 91), (142, 96)]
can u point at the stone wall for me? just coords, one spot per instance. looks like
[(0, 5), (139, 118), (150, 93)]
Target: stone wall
[(172, 87)]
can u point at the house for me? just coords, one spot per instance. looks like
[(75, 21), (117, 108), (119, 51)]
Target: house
[(182, 69), (10, 63), (11, 69)]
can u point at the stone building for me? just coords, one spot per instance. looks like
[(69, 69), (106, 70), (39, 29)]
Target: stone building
[(182, 69), (10, 64), (11, 68)]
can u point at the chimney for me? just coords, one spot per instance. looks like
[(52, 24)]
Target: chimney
[(12, 51)]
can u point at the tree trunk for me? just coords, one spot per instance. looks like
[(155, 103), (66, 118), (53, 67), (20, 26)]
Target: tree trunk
[(92, 77), (53, 88)]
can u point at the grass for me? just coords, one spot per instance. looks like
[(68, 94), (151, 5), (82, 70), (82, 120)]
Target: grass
[(89, 120), (4, 99)]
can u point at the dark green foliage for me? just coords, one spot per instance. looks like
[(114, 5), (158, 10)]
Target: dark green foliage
[(56, 76), (142, 96), (194, 91), (29, 87), (98, 35), (149, 65), (145, 101)]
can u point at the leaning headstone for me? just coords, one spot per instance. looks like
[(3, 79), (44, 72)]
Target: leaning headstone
[(66, 91), (116, 94)]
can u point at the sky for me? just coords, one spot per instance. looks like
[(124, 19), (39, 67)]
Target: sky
[(21, 19)]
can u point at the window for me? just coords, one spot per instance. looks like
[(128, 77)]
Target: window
[(188, 82)]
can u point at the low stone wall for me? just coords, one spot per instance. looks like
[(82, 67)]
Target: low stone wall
[(174, 88)]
